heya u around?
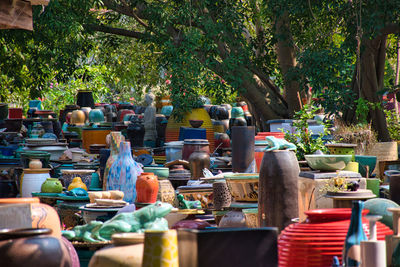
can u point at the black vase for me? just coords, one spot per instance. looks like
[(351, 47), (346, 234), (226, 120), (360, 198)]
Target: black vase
[(84, 98), (243, 148), (135, 132)]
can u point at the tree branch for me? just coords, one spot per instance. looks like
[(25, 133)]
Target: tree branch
[(118, 31), (125, 10)]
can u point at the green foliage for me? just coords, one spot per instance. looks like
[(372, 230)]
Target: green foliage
[(393, 125), (362, 108), (303, 139)]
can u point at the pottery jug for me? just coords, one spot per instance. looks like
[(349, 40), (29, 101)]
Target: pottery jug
[(355, 234), (35, 164), (278, 194), (115, 140), (198, 161), (191, 145), (123, 173), (51, 185), (146, 188), (77, 183)]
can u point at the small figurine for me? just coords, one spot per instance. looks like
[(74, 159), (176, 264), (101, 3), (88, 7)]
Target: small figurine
[(150, 217), (186, 204), (278, 144)]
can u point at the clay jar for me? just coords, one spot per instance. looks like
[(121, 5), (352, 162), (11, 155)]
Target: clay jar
[(78, 117), (32, 247), (35, 164), (191, 145), (146, 188), (221, 196), (198, 160), (51, 185), (77, 183)]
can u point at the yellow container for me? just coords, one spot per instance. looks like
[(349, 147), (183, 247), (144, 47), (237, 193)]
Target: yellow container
[(172, 130), (160, 249), (351, 166)]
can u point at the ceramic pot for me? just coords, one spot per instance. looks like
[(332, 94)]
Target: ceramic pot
[(40, 215), (115, 140), (77, 183), (243, 149), (35, 164), (67, 109), (160, 249), (167, 110), (47, 126), (161, 125), (32, 180), (122, 112), (233, 219), (278, 194), (51, 185), (243, 186), (136, 132), (84, 98), (191, 145), (315, 241), (3, 111), (173, 150), (92, 136), (78, 117), (96, 116), (198, 161), (221, 196), (28, 156), (202, 193), (166, 192), (24, 245), (15, 113), (173, 127), (146, 188), (123, 173)]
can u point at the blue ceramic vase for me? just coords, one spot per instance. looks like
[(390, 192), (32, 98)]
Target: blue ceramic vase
[(124, 172), (356, 234)]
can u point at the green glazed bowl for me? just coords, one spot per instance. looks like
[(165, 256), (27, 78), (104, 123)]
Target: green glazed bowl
[(161, 172), (328, 162)]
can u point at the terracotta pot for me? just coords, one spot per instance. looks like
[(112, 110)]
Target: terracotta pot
[(39, 250), (278, 194), (146, 188), (198, 160)]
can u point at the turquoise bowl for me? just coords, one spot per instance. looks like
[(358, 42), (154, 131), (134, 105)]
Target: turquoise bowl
[(161, 172), (328, 162), (364, 161)]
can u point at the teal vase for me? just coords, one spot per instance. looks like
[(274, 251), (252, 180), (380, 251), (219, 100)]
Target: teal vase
[(356, 234)]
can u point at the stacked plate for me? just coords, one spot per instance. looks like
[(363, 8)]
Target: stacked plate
[(316, 241)]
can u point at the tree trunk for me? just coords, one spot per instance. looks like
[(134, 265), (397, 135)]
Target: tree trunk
[(287, 60), (371, 77)]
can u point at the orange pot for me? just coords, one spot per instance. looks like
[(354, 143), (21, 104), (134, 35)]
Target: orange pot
[(42, 215), (94, 136), (146, 188)]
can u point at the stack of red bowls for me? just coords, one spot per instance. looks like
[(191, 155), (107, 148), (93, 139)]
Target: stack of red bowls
[(321, 237)]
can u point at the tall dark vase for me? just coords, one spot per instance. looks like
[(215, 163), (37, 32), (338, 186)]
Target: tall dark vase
[(394, 188), (243, 149), (278, 196), (135, 133), (84, 98), (3, 111)]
